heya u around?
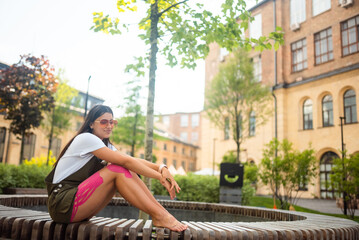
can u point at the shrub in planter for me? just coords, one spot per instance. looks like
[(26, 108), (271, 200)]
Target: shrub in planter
[(193, 188), (30, 174)]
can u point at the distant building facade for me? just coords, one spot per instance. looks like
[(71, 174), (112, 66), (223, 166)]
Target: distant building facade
[(315, 80)]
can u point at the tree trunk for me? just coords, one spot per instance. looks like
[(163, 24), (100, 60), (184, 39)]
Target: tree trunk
[(134, 132), (151, 85), (151, 92), (50, 136), (238, 151), (22, 146)]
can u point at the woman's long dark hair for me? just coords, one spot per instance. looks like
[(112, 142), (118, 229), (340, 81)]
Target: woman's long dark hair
[(94, 113)]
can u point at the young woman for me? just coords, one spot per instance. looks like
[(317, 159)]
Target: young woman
[(81, 184)]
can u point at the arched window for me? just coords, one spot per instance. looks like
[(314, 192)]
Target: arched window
[(252, 124), (350, 107), (326, 163), (308, 114), (327, 111)]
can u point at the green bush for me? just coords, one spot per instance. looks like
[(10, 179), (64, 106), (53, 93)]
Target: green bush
[(193, 188), (6, 179), (248, 192), (23, 176)]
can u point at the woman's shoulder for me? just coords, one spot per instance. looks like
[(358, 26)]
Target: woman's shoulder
[(87, 137)]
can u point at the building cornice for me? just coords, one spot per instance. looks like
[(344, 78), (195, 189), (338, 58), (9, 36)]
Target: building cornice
[(258, 5), (318, 77)]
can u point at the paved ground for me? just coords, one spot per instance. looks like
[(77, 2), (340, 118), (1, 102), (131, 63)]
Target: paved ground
[(322, 205)]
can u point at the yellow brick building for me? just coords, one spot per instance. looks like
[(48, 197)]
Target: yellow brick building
[(315, 79)]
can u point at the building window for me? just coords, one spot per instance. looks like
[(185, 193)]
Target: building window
[(299, 55), (164, 146), (323, 46), (174, 148), (142, 155), (350, 36), (320, 6), (297, 11), (327, 110), (191, 167), (350, 107), (252, 124), (223, 52), (184, 165), (184, 120), (326, 163), (194, 137), (226, 128), (257, 68), (255, 27), (195, 120), (29, 146), (184, 136), (174, 163), (183, 151), (166, 120), (2, 143), (56, 147), (164, 160), (308, 114)]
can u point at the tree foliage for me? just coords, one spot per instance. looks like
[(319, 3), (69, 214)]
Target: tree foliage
[(26, 91), (286, 171), (58, 119), (181, 33), (345, 178), (131, 127), (234, 94)]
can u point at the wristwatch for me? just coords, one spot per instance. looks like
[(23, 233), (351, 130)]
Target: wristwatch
[(161, 167)]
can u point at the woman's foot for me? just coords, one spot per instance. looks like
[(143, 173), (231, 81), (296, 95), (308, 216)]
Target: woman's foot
[(170, 222)]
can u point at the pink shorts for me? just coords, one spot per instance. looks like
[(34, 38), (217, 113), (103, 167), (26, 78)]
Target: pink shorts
[(88, 187)]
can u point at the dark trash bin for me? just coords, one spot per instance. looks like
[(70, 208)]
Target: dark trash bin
[(231, 182)]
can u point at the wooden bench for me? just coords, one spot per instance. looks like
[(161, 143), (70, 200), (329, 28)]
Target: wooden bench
[(18, 223)]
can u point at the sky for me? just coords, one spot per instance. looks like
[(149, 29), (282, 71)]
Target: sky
[(60, 30)]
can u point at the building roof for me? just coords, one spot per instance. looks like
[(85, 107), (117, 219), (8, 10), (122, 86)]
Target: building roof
[(3, 65), (172, 137), (258, 5)]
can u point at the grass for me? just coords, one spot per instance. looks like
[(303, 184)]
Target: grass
[(258, 201)]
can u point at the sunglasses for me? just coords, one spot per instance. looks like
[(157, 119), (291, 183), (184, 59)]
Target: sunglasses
[(104, 122)]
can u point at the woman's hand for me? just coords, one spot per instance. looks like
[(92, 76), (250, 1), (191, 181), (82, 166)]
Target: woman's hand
[(169, 183)]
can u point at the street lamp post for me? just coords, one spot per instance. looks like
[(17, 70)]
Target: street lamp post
[(343, 156), (214, 154)]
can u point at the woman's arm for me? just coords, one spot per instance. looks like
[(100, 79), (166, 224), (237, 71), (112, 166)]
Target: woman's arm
[(136, 165), (149, 164)]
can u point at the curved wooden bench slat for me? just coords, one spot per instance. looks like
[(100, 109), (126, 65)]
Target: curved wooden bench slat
[(17, 223)]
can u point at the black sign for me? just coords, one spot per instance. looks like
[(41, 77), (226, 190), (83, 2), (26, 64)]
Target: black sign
[(231, 175)]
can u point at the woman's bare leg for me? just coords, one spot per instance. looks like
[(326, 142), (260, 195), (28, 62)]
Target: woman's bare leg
[(132, 191), (146, 190)]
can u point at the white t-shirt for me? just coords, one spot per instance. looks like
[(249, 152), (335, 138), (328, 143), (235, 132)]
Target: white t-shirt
[(77, 155)]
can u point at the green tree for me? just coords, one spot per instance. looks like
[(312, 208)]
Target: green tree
[(286, 171), (345, 178), (234, 94), (58, 119), (131, 127), (26, 91), (181, 33)]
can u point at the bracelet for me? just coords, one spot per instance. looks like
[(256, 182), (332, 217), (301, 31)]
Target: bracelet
[(161, 167)]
